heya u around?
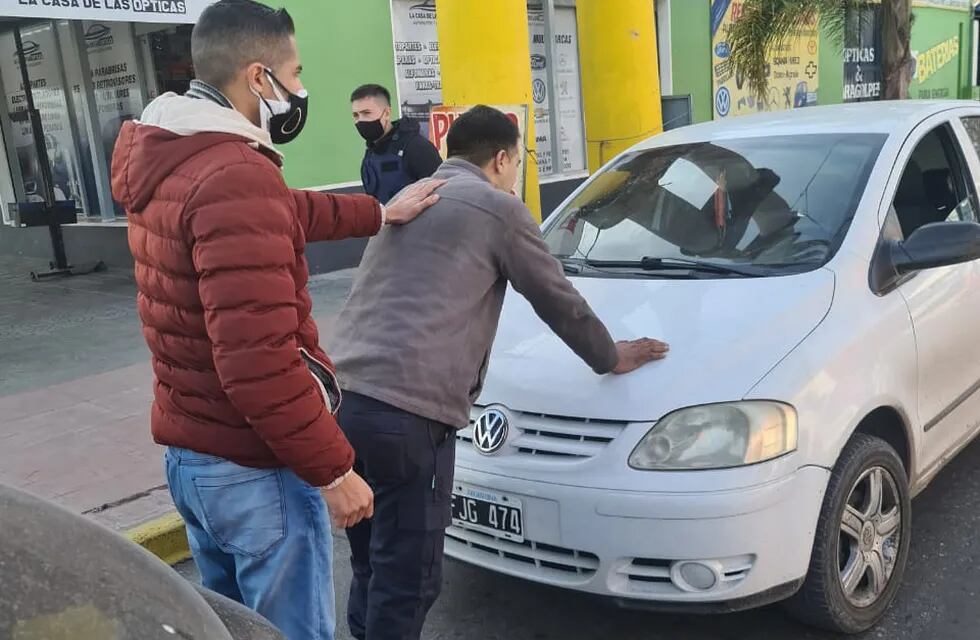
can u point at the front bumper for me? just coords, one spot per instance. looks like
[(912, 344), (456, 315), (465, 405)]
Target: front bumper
[(749, 546)]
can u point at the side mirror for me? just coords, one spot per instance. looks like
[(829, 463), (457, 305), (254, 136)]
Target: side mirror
[(933, 245), (938, 244)]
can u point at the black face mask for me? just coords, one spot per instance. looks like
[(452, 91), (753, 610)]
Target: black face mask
[(283, 118), (370, 130)]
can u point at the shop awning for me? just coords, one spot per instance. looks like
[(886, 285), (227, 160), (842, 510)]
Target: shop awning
[(168, 11)]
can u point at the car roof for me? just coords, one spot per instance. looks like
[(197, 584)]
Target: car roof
[(886, 117)]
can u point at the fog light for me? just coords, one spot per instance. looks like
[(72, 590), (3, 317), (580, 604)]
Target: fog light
[(694, 576)]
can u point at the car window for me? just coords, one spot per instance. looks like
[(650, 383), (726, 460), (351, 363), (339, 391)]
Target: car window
[(772, 203), (935, 184), (972, 126)]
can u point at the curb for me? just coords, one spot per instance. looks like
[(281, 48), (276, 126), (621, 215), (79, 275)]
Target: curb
[(164, 537)]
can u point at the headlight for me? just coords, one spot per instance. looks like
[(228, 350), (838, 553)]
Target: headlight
[(717, 436)]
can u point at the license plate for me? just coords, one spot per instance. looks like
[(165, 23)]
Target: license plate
[(489, 512)]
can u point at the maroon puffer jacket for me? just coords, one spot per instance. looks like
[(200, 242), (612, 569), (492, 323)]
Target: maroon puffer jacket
[(218, 241)]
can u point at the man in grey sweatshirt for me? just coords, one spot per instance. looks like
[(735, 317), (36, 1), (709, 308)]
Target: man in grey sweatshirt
[(411, 349)]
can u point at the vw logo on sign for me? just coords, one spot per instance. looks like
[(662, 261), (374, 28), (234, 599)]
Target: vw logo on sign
[(490, 431), (539, 90), (723, 102)]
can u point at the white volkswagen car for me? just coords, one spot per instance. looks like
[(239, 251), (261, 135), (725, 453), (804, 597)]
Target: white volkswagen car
[(816, 274)]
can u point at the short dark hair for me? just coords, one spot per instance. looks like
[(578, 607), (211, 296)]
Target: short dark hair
[(231, 34), (480, 133), (371, 91)]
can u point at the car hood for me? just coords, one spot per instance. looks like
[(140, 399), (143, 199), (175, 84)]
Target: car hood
[(724, 336)]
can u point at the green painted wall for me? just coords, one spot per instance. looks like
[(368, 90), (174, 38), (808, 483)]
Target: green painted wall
[(690, 40), (932, 27), (831, 62), (342, 45)]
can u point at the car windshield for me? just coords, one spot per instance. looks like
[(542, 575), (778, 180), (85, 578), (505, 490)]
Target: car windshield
[(732, 208)]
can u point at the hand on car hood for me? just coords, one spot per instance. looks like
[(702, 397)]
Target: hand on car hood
[(724, 335)]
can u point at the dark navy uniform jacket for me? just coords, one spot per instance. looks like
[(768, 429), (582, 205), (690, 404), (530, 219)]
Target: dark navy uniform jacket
[(397, 160)]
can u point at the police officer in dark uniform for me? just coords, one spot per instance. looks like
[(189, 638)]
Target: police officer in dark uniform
[(397, 155)]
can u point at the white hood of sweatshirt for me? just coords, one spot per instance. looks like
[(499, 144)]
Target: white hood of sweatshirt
[(188, 116)]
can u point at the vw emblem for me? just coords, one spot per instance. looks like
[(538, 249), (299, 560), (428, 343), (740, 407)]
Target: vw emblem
[(490, 431), (539, 90)]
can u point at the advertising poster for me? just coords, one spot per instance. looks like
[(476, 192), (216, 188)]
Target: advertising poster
[(420, 81), (862, 55), (118, 93), (416, 37), (569, 90), (442, 117), (793, 68)]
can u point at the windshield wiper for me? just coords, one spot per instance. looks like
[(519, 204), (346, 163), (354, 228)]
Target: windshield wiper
[(674, 264), (581, 266)]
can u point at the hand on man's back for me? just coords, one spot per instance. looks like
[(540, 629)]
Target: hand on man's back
[(412, 201)]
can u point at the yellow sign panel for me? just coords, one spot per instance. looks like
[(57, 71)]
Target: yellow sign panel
[(927, 63), (793, 67)]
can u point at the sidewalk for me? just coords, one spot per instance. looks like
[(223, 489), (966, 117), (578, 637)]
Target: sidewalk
[(75, 391)]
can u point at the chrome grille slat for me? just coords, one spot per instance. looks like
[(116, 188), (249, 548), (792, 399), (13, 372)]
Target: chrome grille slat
[(559, 446), (605, 431), (530, 552)]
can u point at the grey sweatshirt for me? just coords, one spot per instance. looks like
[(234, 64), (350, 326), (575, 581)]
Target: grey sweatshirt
[(417, 329)]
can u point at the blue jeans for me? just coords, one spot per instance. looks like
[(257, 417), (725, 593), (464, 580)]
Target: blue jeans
[(258, 536)]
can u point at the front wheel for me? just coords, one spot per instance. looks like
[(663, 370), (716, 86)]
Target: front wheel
[(862, 540)]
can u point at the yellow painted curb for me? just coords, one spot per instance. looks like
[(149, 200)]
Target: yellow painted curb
[(165, 537)]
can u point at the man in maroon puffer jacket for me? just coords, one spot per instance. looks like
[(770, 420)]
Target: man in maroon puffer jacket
[(244, 396)]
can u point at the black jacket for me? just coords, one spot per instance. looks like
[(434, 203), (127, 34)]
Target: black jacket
[(397, 160)]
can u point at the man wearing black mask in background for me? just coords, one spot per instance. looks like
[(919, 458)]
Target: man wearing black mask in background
[(397, 155)]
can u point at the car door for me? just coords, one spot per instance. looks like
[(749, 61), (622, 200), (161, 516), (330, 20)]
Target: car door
[(938, 185)]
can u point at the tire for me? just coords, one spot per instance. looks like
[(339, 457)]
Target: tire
[(822, 600)]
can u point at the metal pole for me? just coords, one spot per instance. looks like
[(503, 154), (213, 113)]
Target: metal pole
[(47, 182)]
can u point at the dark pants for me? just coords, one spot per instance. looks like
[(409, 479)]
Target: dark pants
[(397, 555)]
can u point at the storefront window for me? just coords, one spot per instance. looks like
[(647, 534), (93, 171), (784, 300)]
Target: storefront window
[(88, 78), (115, 78), (166, 55), (47, 79)]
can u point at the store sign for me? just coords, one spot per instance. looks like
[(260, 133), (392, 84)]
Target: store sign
[(862, 55), (416, 58), (171, 11), (927, 63), (441, 118), (793, 67)]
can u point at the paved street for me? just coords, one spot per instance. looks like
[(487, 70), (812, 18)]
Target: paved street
[(75, 391), (938, 602)]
